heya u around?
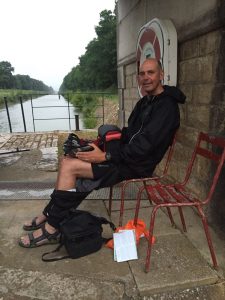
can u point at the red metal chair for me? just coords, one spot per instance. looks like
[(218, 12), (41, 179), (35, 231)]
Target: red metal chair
[(177, 195), (155, 178)]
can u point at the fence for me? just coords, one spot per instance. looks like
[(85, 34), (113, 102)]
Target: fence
[(76, 117)]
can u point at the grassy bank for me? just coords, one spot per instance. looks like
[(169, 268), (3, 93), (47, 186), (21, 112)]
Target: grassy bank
[(13, 95), (91, 106)]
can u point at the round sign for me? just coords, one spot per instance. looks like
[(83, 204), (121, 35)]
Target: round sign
[(158, 39)]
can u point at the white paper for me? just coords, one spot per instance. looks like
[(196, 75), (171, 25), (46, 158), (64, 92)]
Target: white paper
[(125, 246)]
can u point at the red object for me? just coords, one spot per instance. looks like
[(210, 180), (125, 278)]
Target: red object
[(140, 230), (113, 135), (176, 195)]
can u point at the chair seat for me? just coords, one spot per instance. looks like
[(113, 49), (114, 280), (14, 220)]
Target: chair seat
[(160, 194)]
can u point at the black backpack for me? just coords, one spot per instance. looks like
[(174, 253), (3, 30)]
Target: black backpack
[(81, 234)]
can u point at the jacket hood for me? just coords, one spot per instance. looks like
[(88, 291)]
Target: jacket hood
[(175, 93)]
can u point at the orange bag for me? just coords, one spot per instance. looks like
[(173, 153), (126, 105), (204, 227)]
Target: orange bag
[(140, 230)]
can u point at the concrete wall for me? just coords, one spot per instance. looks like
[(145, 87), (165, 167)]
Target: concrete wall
[(200, 26)]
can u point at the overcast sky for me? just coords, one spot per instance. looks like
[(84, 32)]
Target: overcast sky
[(44, 38)]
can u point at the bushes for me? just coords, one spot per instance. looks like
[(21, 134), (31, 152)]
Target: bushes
[(86, 104)]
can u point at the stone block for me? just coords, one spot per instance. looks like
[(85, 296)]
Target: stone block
[(134, 81), (134, 94), (188, 136), (209, 43), (129, 81), (183, 113), (217, 117), (207, 68), (187, 90), (187, 72), (203, 93), (199, 117), (197, 70), (130, 69), (126, 94), (189, 49)]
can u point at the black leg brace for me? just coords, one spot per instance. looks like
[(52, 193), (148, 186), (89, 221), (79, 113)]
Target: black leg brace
[(59, 205)]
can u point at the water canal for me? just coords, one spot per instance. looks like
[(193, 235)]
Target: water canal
[(51, 108)]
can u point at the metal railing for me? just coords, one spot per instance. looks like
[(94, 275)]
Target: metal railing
[(76, 117)]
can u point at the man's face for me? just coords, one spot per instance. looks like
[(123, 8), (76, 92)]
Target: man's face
[(150, 76)]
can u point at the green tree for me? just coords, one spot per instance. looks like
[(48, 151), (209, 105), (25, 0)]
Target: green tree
[(97, 69), (6, 77)]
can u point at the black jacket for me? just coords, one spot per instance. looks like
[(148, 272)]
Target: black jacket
[(150, 131)]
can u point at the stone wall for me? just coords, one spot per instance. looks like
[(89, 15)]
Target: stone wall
[(201, 76)]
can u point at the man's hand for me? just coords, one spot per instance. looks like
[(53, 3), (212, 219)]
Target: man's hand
[(94, 156)]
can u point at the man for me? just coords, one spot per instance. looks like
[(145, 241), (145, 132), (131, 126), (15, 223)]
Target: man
[(150, 131)]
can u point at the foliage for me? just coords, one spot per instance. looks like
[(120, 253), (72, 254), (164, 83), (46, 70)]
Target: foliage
[(86, 104), (97, 69), (6, 77), (22, 82)]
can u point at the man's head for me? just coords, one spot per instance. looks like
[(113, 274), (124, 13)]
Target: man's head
[(150, 76)]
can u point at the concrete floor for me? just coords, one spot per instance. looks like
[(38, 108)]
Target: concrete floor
[(181, 266)]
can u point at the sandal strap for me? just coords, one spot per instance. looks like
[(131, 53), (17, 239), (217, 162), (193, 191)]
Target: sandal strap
[(31, 237), (49, 236), (33, 222), (45, 235)]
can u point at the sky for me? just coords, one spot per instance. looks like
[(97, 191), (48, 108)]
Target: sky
[(45, 38)]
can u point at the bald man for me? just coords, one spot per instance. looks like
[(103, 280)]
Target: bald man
[(151, 128)]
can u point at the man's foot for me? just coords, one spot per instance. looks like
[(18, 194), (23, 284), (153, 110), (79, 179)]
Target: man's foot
[(43, 236), (36, 223)]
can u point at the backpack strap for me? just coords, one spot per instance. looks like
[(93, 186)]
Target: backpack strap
[(55, 258), (105, 221)]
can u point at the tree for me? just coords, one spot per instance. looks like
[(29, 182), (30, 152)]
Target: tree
[(6, 77), (97, 69)]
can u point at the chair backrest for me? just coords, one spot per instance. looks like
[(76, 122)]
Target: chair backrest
[(170, 152), (205, 147)]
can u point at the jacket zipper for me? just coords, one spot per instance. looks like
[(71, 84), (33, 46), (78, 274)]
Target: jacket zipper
[(133, 136)]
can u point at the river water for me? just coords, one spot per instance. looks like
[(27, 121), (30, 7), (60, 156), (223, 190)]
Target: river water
[(45, 107)]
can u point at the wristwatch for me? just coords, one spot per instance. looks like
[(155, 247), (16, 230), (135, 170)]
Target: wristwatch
[(107, 156)]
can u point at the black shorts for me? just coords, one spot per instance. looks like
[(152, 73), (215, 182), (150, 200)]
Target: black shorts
[(99, 170), (105, 174)]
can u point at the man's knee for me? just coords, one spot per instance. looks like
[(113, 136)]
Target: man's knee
[(68, 164)]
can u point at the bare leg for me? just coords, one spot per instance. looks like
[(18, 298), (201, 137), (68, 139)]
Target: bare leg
[(70, 169)]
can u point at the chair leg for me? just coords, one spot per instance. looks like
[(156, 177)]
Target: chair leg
[(122, 203), (170, 216), (110, 199), (138, 205), (146, 189), (208, 237), (182, 219), (149, 250)]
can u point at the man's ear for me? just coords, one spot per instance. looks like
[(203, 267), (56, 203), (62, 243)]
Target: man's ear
[(161, 75)]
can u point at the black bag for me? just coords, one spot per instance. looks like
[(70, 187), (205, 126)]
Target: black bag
[(81, 234)]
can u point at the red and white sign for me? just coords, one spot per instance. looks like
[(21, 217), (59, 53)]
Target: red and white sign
[(158, 39)]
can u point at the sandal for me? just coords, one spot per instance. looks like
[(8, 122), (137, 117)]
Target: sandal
[(45, 239), (33, 225)]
